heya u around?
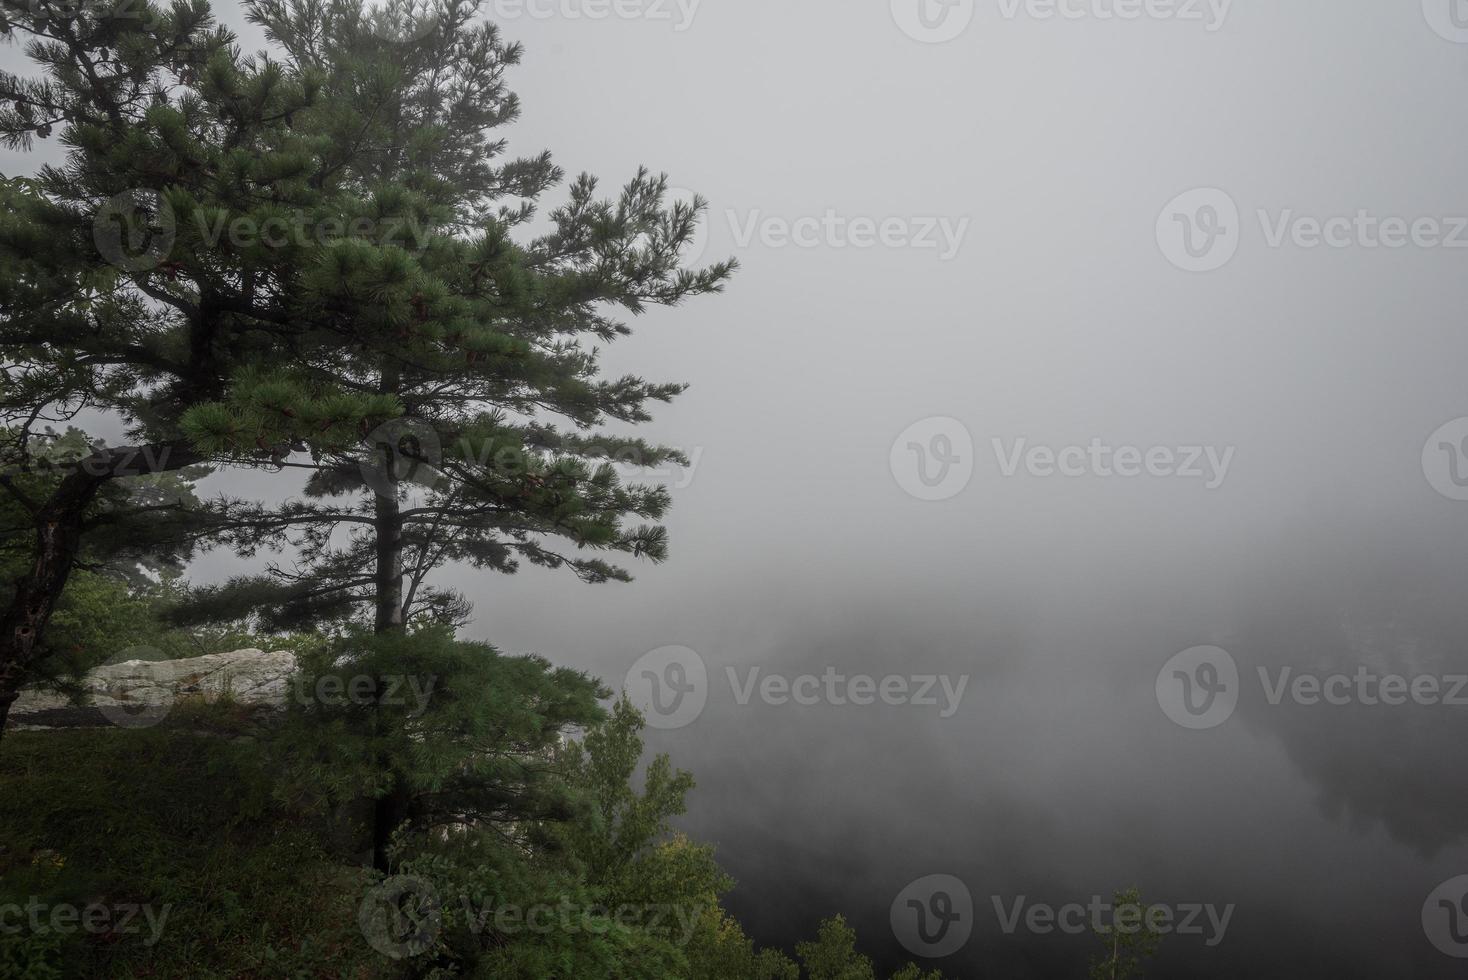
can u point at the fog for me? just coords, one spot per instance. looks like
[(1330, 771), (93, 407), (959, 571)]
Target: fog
[(1063, 319), (1060, 321)]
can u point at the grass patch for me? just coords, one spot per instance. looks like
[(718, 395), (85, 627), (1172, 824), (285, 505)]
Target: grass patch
[(180, 828)]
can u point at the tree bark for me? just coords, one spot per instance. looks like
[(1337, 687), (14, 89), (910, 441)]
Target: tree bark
[(59, 522), (387, 524), (391, 808)]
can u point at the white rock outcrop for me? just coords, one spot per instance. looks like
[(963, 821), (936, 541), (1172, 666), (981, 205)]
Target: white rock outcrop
[(141, 692)]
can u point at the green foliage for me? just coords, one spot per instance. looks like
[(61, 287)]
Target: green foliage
[(102, 618), (98, 617), (139, 538), (508, 914), (465, 731), (1128, 942), (719, 950), (106, 305), (139, 526), (833, 954), (258, 880), (441, 349), (236, 886), (289, 259), (623, 824), (157, 107), (607, 891), (319, 259), (628, 849), (913, 972)]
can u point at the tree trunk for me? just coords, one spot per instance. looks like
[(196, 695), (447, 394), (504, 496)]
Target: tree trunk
[(6, 700), (388, 813), (387, 523), (58, 539), (391, 808), (59, 522)]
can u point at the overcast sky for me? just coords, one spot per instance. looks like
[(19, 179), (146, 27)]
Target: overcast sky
[(1217, 247)]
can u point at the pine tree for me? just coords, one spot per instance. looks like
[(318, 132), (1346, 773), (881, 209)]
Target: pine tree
[(475, 336), (163, 121), (1129, 941), (483, 340), (263, 262), (467, 731)]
